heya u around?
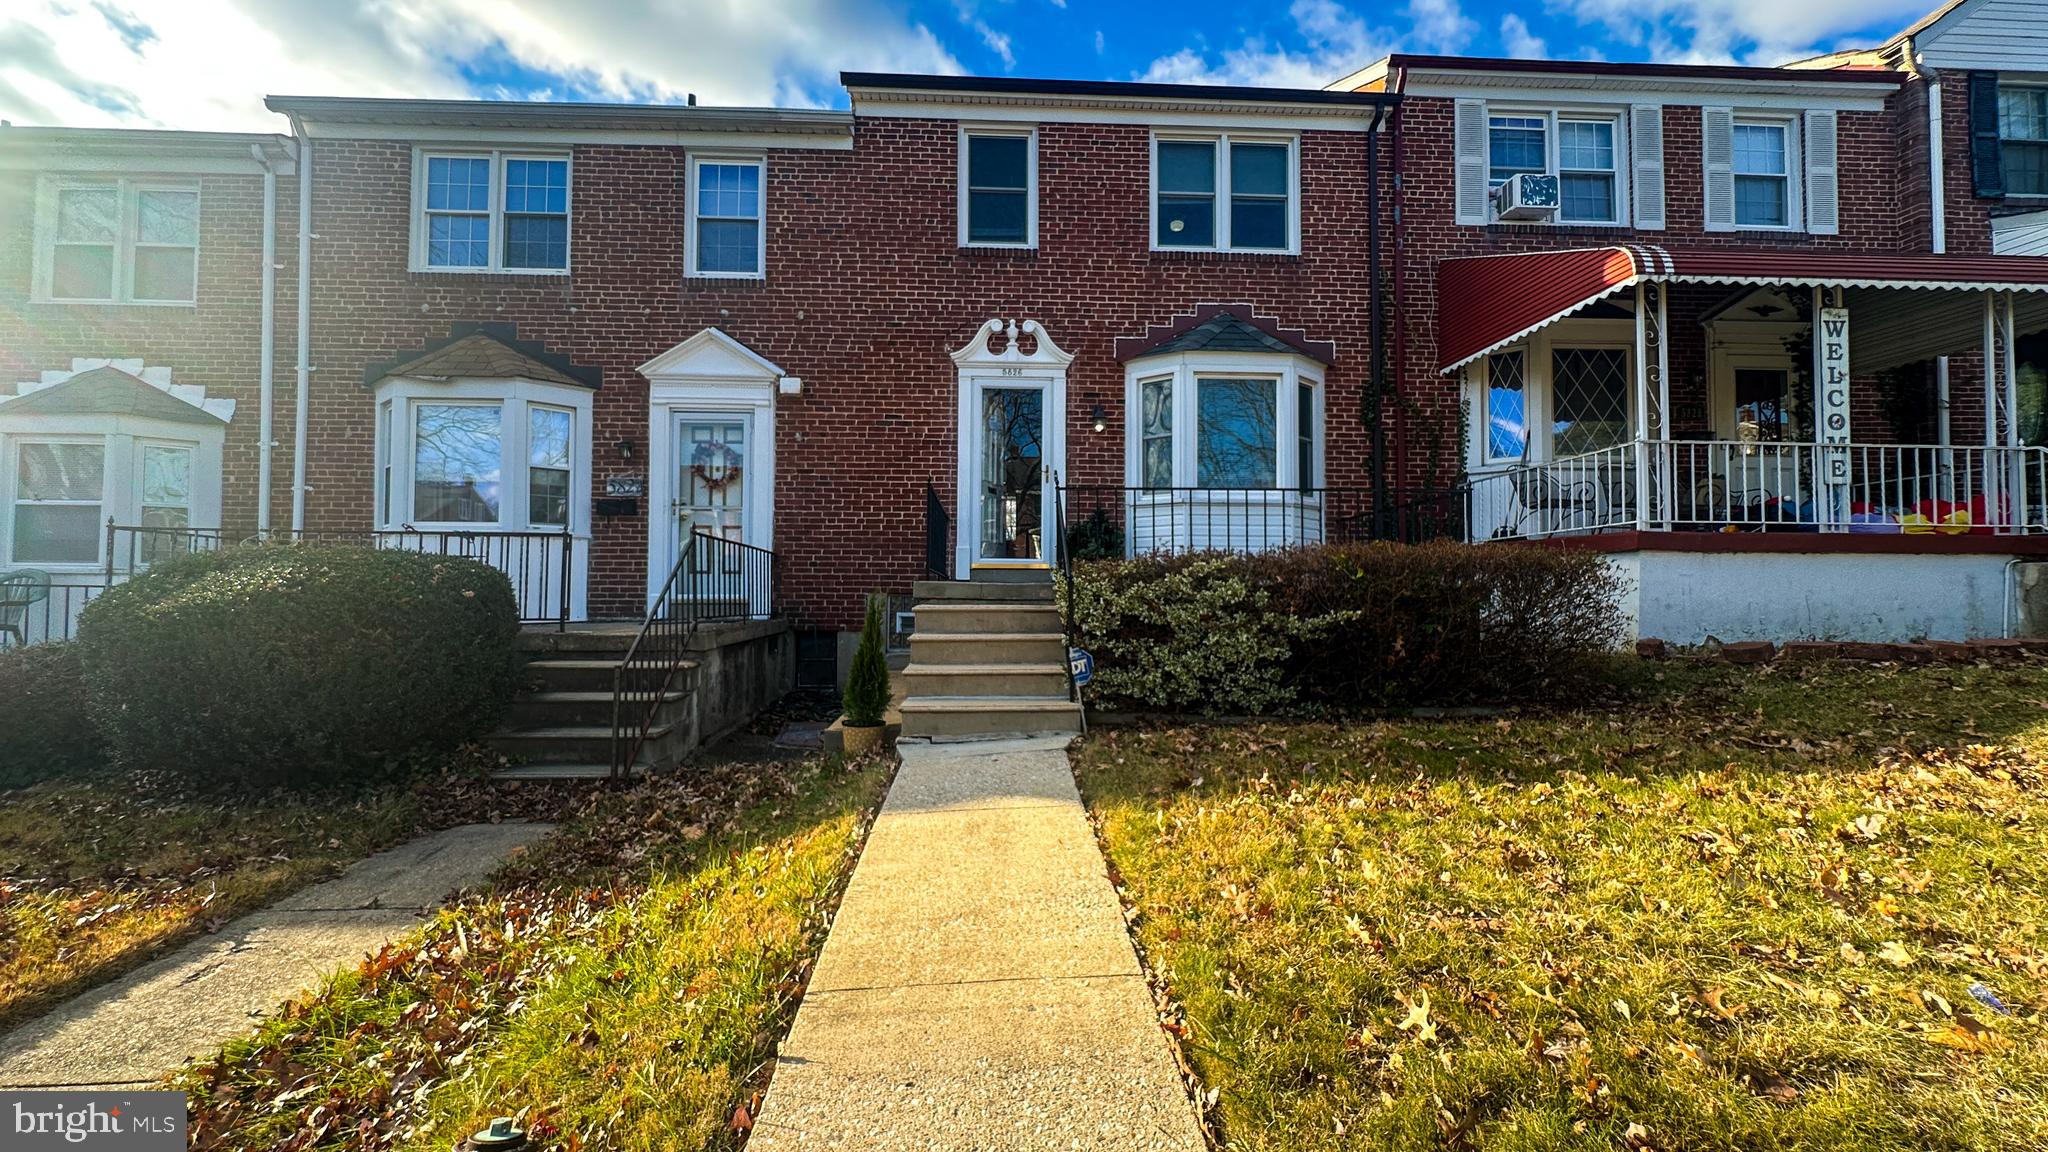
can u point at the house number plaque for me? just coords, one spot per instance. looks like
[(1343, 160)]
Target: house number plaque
[(625, 486)]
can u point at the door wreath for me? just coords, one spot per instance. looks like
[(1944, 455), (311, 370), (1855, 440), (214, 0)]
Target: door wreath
[(715, 465)]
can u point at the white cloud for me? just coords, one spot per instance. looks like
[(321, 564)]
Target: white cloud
[(1745, 31), (997, 40), (1439, 26), (1517, 41), (1337, 43), (208, 63)]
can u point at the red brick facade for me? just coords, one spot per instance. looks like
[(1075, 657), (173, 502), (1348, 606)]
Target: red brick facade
[(867, 292)]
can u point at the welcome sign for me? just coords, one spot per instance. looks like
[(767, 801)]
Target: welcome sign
[(1831, 395)]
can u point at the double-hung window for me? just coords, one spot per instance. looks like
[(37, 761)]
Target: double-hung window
[(1763, 174), (998, 188), (724, 234), (2023, 139), (119, 242), (491, 212), (550, 436), (1581, 149), (1225, 193), (59, 495)]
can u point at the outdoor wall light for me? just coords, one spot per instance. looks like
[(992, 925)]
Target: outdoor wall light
[(1101, 419), (626, 450)]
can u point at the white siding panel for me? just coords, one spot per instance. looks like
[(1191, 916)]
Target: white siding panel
[(2025, 235), (1999, 35)]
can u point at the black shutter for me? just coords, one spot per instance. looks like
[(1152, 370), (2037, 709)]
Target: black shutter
[(1986, 169)]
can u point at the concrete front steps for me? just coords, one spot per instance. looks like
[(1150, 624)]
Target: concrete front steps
[(561, 727), (988, 659)]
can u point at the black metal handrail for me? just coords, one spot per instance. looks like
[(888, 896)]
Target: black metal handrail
[(937, 526), (1116, 521), (714, 579), (1063, 555)]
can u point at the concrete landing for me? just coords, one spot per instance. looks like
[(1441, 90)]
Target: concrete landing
[(133, 1031), (978, 989)]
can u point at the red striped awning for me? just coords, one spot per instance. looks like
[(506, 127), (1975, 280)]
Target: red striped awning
[(1488, 302)]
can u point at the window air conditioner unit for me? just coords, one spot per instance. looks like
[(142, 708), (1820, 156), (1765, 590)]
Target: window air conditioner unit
[(1526, 197)]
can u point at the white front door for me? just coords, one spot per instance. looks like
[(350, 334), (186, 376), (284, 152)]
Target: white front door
[(713, 468), (1013, 456)]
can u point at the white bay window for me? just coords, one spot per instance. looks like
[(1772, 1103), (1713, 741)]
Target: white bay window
[(482, 455), (1224, 422)]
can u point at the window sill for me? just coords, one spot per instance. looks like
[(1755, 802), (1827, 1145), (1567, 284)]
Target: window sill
[(713, 280), (1214, 255), (485, 276), (1538, 228), (60, 302), (999, 251)]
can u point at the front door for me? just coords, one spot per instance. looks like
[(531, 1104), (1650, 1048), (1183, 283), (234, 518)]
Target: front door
[(1014, 488), (712, 457)]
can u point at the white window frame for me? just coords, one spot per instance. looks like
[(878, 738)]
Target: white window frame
[(1553, 148), (494, 262), (1222, 142), (1483, 435), (1285, 373), (532, 523), (122, 439), (2037, 89), (1029, 135), (1795, 167), (1539, 396), (697, 161), (397, 447), (127, 229)]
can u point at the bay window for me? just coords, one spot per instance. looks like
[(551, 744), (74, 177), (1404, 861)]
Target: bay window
[(60, 491), (482, 455), (1224, 192), (118, 242), (1224, 422), (490, 212)]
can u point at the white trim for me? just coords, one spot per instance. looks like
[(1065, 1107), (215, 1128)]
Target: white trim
[(980, 368), (514, 398), (961, 189), (1174, 113), (1186, 370), (1554, 116), (1539, 399), (1795, 169), (1527, 88), (128, 194), (1222, 142), (696, 161), (494, 257), (708, 374)]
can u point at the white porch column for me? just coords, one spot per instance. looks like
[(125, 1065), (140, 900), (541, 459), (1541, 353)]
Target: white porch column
[(1642, 452)]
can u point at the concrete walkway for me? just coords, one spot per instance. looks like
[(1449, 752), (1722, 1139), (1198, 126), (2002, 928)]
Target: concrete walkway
[(129, 1033), (978, 989)]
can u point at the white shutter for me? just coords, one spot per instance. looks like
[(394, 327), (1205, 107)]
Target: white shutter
[(1646, 163), (1823, 187), (1469, 134), (1717, 134)]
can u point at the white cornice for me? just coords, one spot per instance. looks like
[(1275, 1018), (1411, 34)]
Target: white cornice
[(1556, 88), (1036, 108)]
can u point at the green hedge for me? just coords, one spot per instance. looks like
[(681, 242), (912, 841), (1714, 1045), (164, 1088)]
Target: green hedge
[(1346, 626), (46, 730), (296, 664)]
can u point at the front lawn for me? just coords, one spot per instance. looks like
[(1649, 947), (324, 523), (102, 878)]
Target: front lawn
[(620, 987), (1767, 909), (100, 872)]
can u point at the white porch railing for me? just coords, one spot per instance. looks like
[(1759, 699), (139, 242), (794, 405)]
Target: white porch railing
[(1748, 485)]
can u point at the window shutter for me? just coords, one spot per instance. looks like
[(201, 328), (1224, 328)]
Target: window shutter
[(1823, 187), (1717, 133), (1646, 160), (1469, 133), (1987, 170)]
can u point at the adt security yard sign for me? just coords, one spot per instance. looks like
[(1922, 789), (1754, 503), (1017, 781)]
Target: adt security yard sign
[(1082, 665)]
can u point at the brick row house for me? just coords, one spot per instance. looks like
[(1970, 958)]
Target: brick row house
[(1763, 335)]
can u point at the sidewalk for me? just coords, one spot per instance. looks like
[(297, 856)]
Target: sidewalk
[(978, 989), (132, 1031)]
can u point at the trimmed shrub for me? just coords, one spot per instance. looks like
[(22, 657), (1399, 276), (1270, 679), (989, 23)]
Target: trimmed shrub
[(298, 664), (47, 731), (867, 681), (1346, 626)]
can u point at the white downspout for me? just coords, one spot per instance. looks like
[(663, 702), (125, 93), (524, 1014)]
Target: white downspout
[(305, 175), (1937, 191), (267, 356)]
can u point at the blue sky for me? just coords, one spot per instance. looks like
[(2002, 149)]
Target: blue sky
[(208, 63)]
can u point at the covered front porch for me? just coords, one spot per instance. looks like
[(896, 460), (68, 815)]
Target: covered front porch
[(1636, 389)]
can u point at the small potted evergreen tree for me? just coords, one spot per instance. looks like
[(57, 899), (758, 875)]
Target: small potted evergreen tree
[(867, 685)]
